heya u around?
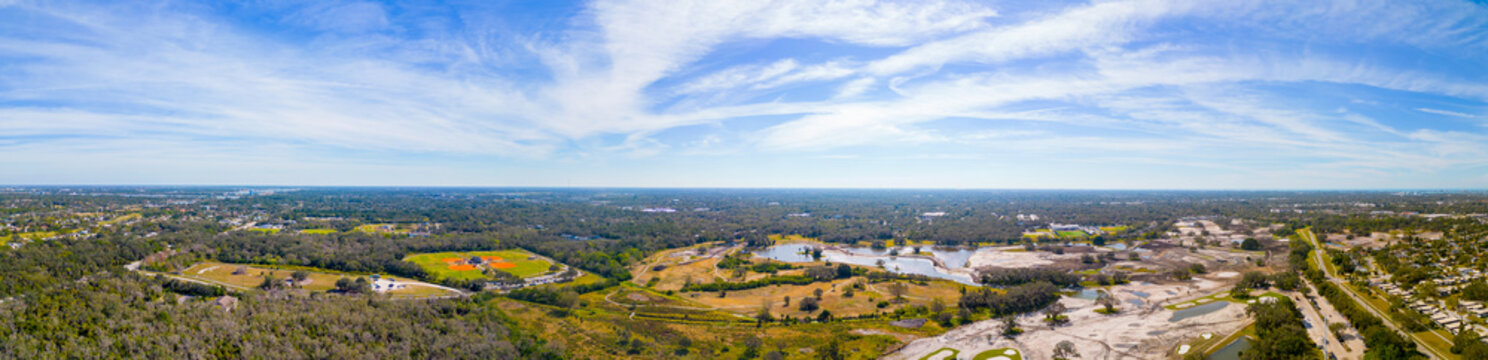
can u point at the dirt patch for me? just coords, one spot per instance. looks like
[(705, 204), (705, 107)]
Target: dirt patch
[(638, 297)]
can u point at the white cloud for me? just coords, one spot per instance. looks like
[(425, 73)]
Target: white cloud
[(1124, 79), (1450, 113)]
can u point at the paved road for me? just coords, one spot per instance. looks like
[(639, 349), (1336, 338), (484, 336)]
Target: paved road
[(1318, 253), (1355, 344), (1319, 331)]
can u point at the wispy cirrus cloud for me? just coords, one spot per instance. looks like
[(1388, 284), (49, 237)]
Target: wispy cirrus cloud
[(1239, 87)]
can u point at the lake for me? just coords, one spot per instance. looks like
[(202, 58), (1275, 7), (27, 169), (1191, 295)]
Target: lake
[(865, 257)]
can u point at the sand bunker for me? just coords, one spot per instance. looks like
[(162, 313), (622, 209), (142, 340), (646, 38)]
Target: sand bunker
[(1183, 349), (1226, 274)]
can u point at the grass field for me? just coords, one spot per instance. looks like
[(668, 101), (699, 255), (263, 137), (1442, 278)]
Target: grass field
[(1072, 234), (942, 354), (381, 228), (36, 235), (833, 297), (516, 262), (318, 231), (1223, 296), (124, 218), (593, 328), (1003, 352), (266, 231), (319, 280)]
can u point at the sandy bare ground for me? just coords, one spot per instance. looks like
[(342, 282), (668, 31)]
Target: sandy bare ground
[(1138, 332), (1000, 257)]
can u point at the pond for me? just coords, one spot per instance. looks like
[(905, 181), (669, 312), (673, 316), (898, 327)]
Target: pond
[(1198, 310), (1087, 294), (1231, 351), (904, 265)]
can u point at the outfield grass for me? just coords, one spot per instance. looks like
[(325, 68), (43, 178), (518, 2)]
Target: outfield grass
[(318, 231), (1071, 234), (434, 264)]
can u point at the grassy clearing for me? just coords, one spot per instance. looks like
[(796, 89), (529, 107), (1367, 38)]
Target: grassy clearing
[(942, 354), (1072, 234), (999, 354), (1208, 347), (381, 229), (319, 280), (680, 268), (516, 262), (318, 231), (1223, 296), (594, 330), (126, 217), (37, 235), (266, 231)]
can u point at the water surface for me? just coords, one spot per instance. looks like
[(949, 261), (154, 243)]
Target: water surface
[(903, 265), (1198, 310), (1231, 351)]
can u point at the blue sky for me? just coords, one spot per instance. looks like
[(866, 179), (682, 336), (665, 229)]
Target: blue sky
[(924, 94)]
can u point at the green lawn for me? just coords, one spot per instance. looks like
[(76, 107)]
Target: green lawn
[(318, 231), (1222, 296), (266, 231), (36, 235), (942, 353), (998, 352), (1071, 234), (381, 228), (435, 265)]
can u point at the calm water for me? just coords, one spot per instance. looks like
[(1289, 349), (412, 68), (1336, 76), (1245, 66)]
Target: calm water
[(1231, 351), (952, 257), (1088, 294), (902, 265), (1198, 310)]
